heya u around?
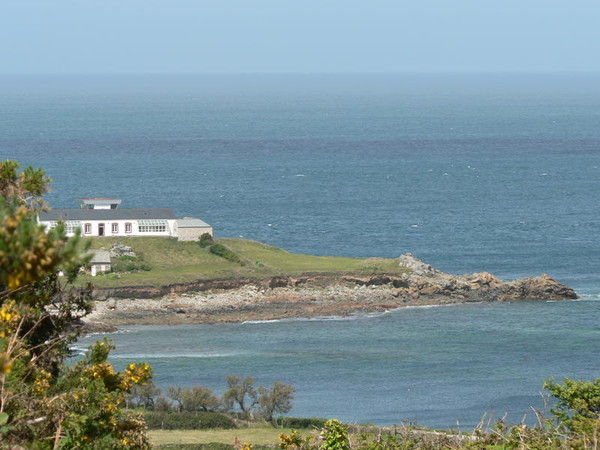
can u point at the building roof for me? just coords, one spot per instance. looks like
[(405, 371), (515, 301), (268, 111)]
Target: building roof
[(99, 257), (101, 201), (107, 214), (191, 222)]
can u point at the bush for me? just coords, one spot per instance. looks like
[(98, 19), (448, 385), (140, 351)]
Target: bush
[(187, 420), (205, 240), (224, 252), (300, 422), (130, 267), (128, 258)]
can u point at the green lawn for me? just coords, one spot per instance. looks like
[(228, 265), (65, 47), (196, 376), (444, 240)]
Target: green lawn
[(172, 261), (254, 436)]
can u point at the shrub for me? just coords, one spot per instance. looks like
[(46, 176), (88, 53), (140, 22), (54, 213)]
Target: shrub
[(205, 240), (335, 436), (48, 400), (300, 422), (145, 267), (128, 258), (187, 420), (224, 252)]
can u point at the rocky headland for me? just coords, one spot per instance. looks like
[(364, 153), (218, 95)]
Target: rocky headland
[(239, 300)]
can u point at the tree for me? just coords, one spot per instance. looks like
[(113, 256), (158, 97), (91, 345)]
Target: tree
[(144, 395), (43, 402), (199, 398), (27, 187), (176, 393), (278, 399), (240, 393), (578, 404)]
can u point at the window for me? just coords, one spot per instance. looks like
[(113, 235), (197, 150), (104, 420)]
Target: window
[(152, 226), (71, 226), (88, 228), (128, 227), (115, 228)]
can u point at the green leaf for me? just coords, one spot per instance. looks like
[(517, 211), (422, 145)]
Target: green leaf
[(3, 418)]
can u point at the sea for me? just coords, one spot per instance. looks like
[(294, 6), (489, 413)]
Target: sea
[(469, 172)]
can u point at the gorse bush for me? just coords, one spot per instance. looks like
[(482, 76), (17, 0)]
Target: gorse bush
[(45, 403), (205, 240), (224, 252)]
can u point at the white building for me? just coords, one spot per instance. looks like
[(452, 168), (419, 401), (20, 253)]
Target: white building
[(103, 217), (99, 262)]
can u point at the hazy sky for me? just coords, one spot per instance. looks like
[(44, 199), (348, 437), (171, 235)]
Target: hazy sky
[(233, 36)]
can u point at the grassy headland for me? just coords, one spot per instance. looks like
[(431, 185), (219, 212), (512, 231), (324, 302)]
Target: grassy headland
[(171, 261)]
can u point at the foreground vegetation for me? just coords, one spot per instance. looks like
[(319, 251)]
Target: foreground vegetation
[(165, 261), (45, 403)]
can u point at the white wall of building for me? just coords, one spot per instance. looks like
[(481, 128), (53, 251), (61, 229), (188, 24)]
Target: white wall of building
[(121, 228)]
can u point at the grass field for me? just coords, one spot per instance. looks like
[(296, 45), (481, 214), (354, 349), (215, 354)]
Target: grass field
[(254, 436), (172, 262)]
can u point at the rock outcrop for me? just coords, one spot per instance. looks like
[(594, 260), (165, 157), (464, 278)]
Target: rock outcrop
[(421, 280), (242, 299)]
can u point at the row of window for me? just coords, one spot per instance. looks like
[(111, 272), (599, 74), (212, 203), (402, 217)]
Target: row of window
[(144, 226), (152, 228), (87, 228)]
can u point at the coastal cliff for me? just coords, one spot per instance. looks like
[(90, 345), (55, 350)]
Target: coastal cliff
[(312, 295)]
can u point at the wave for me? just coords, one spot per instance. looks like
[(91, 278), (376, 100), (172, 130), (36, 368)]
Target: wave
[(316, 319), (589, 296), (356, 316)]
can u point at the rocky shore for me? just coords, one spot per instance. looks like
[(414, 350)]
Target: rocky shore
[(240, 300)]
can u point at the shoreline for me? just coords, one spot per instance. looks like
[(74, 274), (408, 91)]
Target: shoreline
[(313, 296), (252, 304), (310, 296)]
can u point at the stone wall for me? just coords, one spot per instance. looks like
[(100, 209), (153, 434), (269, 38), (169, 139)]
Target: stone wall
[(192, 234)]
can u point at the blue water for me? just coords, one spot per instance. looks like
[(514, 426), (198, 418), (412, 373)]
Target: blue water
[(470, 173)]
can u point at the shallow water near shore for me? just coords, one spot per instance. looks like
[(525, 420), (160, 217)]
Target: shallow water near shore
[(493, 173), (440, 366)]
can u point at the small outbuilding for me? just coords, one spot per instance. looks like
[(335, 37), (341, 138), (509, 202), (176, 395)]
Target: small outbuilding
[(100, 262), (191, 228)]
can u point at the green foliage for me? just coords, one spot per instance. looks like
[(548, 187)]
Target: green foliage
[(577, 406), (199, 398), (278, 399), (176, 393), (294, 441), (43, 402), (128, 258), (300, 422), (205, 240), (26, 187), (143, 396), (224, 252), (240, 393), (335, 436), (185, 420)]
